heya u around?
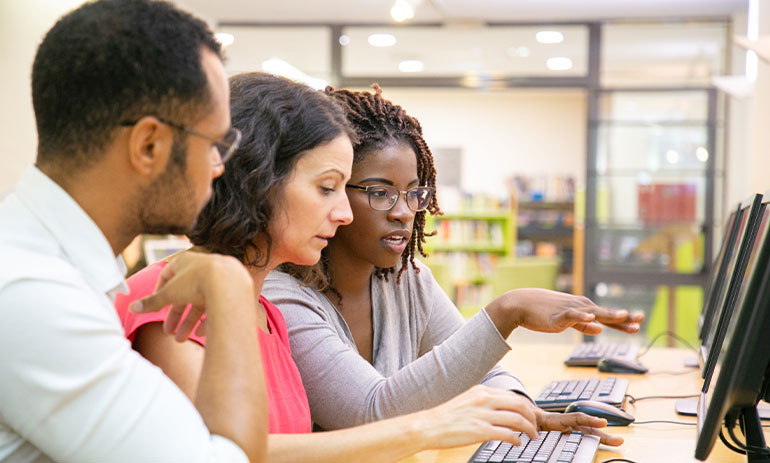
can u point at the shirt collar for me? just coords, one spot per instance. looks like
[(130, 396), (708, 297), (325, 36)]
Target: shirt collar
[(80, 238)]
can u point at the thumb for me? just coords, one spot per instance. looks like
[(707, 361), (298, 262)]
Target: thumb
[(151, 303), (157, 299)]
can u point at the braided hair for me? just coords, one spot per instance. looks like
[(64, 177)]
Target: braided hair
[(378, 124)]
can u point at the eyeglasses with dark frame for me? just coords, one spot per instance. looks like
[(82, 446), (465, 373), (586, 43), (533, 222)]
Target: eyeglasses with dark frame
[(384, 197), (225, 147)]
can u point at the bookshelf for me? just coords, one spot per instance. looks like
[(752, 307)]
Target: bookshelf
[(546, 229), (465, 250)]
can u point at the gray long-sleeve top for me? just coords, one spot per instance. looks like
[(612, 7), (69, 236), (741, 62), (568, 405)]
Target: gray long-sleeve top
[(423, 352)]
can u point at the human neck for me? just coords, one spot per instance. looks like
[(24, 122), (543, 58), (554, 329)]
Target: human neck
[(258, 272), (103, 196), (350, 274)]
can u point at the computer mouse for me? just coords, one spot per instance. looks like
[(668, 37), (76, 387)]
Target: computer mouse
[(620, 365), (614, 415)]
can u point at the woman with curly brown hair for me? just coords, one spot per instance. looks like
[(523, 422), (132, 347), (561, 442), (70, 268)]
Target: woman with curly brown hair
[(371, 331), (280, 199)]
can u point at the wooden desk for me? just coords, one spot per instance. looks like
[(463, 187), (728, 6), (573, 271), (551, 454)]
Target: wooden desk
[(538, 364)]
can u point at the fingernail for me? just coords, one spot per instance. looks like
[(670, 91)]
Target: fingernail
[(135, 307)]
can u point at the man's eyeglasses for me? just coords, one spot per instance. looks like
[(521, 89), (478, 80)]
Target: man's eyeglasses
[(384, 197), (225, 147)]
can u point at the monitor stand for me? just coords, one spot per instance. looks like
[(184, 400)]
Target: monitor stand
[(691, 362), (689, 407), (757, 451)]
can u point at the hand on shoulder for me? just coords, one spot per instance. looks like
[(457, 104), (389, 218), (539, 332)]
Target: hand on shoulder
[(206, 282)]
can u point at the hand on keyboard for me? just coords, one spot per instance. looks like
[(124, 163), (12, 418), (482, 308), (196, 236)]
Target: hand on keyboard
[(576, 422), (552, 312), (479, 414)]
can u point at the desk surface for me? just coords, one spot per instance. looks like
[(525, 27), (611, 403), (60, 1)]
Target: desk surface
[(538, 364)]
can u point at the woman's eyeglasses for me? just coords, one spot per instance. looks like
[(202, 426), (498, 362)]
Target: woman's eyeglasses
[(384, 197)]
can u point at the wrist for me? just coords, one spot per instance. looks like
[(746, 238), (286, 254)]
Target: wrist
[(505, 312), (226, 275), (422, 431)]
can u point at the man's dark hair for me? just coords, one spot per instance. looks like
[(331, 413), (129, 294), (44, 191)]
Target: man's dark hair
[(112, 61), (280, 121)]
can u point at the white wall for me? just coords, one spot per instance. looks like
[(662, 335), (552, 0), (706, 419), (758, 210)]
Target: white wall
[(22, 26), (748, 157), (759, 117), (502, 133)]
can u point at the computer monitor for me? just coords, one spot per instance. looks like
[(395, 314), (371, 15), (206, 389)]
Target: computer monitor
[(747, 226), (743, 360), (718, 271)]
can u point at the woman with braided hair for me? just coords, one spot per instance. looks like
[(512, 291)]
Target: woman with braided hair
[(372, 333), (280, 198)]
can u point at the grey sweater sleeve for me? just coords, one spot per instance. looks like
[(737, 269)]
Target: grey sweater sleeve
[(445, 320), (345, 390)]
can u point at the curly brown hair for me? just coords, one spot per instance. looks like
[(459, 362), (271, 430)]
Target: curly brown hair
[(280, 121), (378, 123)]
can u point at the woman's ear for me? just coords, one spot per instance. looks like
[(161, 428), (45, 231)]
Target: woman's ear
[(149, 146)]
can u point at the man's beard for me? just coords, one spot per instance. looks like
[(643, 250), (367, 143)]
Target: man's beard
[(168, 206)]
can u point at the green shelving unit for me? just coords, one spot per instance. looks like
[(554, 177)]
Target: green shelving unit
[(465, 250)]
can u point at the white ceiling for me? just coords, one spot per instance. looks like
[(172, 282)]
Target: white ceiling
[(377, 11)]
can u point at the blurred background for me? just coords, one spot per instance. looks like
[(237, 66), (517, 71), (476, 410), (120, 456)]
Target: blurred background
[(588, 146)]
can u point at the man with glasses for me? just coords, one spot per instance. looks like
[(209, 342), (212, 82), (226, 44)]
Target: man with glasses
[(131, 104)]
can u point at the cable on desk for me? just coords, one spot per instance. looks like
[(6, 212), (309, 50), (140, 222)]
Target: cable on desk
[(665, 372), (728, 444), (632, 399), (764, 451), (664, 422), (666, 333), (611, 460)]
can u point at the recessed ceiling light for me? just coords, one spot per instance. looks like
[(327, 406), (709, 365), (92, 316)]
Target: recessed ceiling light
[(410, 65), (402, 11), (344, 40), (224, 38), (549, 37), (559, 63), (702, 154), (672, 156), (382, 40)]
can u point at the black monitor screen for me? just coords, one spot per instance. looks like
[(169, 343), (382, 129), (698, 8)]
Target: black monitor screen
[(747, 219), (744, 354), (718, 272)]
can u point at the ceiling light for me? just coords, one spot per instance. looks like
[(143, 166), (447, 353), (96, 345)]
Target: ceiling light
[(702, 154), (672, 156), (382, 40), (402, 11), (549, 37), (280, 67), (224, 38), (344, 40), (410, 65), (559, 63)]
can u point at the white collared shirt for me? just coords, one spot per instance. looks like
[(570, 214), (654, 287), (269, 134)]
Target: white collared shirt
[(71, 387)]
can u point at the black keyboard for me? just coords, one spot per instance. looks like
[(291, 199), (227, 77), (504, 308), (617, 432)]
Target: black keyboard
[(556, 396), (588, 354), (549, 447)]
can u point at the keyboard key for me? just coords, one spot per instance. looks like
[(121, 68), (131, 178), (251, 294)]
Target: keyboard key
[(538, 450)]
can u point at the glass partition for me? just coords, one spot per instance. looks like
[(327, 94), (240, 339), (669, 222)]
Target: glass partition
[(281, 50), (663, 54), (465, 49)]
